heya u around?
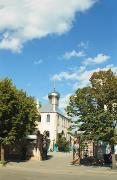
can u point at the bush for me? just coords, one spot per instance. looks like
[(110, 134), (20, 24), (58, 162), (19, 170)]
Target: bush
[(62, 143)]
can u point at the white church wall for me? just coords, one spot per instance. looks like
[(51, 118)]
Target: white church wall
[(57, 124), (48, 126), (63, 125)]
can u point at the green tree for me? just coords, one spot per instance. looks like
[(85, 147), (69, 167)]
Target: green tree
[(95, 107), (18, 114), (62, 143)]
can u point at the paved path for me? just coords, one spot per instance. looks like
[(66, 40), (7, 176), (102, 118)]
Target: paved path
[(57, 167)]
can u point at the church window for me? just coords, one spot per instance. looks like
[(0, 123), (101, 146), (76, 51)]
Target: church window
[(48, 118)]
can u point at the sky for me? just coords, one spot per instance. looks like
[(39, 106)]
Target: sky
[(61, 42)]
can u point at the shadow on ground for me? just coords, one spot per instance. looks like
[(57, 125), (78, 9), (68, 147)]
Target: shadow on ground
[(48, 157), (91, 161), (20, 159)]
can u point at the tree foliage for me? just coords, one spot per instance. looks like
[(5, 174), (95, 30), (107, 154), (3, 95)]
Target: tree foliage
[(18, 113), (95, 107), (62, 143)]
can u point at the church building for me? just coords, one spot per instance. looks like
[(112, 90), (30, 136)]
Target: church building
[(53, 120)]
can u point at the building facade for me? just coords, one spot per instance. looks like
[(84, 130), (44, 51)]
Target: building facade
[(53, 120)]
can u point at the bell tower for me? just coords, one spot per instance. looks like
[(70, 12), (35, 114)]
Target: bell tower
[(54, 97)]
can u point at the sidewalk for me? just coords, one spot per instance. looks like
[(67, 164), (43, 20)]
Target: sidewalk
[(59, 163)]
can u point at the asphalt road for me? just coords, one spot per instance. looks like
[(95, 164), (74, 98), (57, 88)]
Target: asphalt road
[(8, 174), (58, 167)]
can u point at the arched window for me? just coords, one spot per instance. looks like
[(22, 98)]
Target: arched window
[(48, 118)]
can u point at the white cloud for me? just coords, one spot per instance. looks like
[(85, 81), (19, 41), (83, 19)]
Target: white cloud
[(11, 43), (80, 84), (64, 101), (82, 69), (38, 62), (65, 75), (76, 75), (81, 76), (74, 53), (100, 58), (83, 44), (26, 20), (111, 66)]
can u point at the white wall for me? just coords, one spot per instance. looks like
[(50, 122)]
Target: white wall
[(57, 124), (48, 126)]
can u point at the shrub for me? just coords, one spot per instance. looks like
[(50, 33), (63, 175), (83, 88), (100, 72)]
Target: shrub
[(62, 143)]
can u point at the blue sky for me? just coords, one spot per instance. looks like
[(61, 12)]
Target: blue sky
[(56, 40)]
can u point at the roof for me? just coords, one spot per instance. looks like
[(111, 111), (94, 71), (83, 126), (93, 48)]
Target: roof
[(49, 109), (54, 93)]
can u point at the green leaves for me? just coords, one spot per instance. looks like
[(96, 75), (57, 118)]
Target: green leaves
[(18, 113), (62, 143), (95, 106)]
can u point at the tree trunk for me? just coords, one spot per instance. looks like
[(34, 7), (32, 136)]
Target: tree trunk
[(2, 152), (113, 161), (113, 158)]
